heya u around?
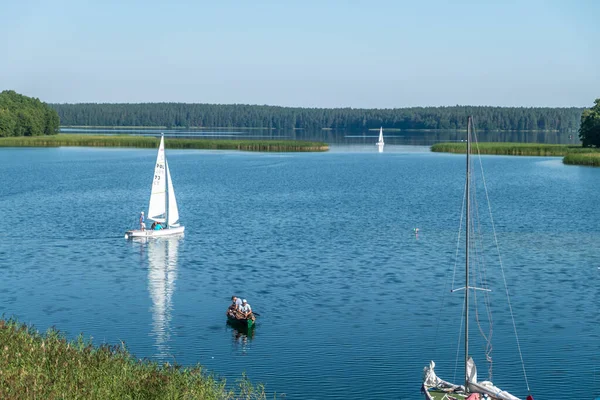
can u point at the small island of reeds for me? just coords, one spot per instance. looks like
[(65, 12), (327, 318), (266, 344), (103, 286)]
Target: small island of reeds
[(266, 145), (48, 366), (574, 155)]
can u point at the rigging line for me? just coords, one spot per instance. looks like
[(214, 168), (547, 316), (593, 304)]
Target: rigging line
[(462, 212), (483, 279), (444, 292), (479, 252), (512, 316), (479, 272), (462, 318)]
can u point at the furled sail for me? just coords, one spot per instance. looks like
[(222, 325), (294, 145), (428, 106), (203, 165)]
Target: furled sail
[(157, 207), (173, 213)]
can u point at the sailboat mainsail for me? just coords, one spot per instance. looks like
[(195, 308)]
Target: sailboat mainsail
[(435, 388), (158, 201), (162, 208)]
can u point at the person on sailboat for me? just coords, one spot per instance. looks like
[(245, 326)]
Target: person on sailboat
[(142, 221), (157, 226), (246, 310)]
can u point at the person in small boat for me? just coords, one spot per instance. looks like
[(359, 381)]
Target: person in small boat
[(246, 310), (142, 222), (157, 226), (234, 308)]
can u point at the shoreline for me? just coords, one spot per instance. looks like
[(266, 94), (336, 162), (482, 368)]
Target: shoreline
[(260, 145), (572, 155)]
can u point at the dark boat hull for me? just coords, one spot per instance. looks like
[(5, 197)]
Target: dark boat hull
[(244, 323)]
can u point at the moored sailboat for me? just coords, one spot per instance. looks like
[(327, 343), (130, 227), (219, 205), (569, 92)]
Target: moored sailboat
[(163, 208), (435, 388)]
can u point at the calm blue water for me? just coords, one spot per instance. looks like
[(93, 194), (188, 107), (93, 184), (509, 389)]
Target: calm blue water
[(352, 304)]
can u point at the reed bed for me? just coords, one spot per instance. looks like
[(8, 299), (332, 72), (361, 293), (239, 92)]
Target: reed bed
[(573, 155), (172, 143), (589, 159), (498, 148), (47, 366)]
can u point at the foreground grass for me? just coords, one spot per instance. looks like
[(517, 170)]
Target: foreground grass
[(152, 142), (35, 366), (575, 155)]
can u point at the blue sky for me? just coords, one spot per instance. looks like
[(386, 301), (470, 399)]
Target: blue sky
[(327, 53)]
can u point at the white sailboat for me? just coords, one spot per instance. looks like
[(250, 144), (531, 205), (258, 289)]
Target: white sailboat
[(163, 205), (435, 388), (380, 142)]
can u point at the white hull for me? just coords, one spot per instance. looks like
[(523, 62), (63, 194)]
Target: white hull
[(149, 233)]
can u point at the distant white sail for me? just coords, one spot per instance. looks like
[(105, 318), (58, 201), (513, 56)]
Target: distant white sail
[(173, 213), (380, 142), (158, 205)]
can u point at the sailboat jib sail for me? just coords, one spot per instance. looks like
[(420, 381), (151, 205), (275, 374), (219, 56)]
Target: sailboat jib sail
[(433, 387), (158, 205), (173, 211), (162, 208)]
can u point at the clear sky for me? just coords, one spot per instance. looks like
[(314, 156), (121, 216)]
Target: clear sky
[(309, 53)]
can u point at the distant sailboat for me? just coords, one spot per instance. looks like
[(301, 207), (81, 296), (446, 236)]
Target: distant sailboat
[(380, 141), (163, 205), (433, 387)]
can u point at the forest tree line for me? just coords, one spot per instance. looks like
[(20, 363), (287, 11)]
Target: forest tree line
[(25, 116), (186, 115)]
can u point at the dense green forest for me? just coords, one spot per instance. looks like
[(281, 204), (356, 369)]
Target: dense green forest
[(355, 119), (589, 132), (25, 116)]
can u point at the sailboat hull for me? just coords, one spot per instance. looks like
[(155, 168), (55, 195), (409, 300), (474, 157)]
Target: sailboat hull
[(149, 233)]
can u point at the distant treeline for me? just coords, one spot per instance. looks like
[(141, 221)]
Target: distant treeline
[(176, 115), (25, 116)]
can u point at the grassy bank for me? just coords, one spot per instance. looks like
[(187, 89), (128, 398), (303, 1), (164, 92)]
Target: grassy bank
[(35, 366), (512, 149), (589, 159), (573, 155), (152, 142)]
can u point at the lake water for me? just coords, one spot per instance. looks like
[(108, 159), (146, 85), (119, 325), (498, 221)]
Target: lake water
[(352, 304), (341, 137)]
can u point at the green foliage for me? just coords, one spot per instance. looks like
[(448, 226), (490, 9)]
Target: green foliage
[(152, 142), (351, 119), (589, 130), (35, 366), (25, 116)]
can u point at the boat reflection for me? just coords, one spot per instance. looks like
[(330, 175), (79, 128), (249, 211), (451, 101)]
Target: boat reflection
[(162, 274), (241, 337)]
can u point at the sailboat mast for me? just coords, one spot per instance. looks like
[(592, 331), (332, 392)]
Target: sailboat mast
[(468, 231)]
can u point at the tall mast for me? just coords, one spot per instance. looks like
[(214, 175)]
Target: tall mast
[(468, 231)]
